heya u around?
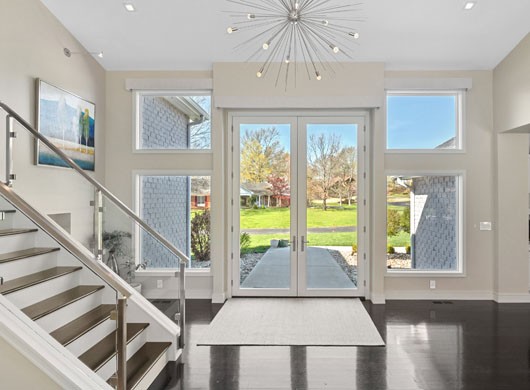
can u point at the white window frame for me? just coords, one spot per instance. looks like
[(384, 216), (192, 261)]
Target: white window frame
[(460, 225), (137, 120), (136, 207), (460, 121)]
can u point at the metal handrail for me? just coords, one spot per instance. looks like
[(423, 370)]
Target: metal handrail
[(94, 182)]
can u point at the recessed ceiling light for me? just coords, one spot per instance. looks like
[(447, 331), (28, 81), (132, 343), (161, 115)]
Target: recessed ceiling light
[(129, 7), (469, 5)]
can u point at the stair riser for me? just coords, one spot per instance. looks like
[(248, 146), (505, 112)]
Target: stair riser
[(153, 372), (108, 369), (89, 339), (17, 242), (28, 296), (64, 315), (29, 265)]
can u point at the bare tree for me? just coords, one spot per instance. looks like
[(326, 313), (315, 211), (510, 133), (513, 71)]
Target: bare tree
[(201, 134), (347, 171), (323, 163)]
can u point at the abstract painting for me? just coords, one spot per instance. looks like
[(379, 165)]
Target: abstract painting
[(68, 121)]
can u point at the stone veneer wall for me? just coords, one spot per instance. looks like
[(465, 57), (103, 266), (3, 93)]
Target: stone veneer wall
[(165, 206), (434, 222), (163, 125)]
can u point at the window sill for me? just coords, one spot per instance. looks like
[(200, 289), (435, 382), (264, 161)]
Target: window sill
[(425, 274), (173, 151), (173, 272), (425, 151)]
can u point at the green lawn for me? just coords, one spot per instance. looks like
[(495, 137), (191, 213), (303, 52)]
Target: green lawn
[(278, 218), (401, 239)]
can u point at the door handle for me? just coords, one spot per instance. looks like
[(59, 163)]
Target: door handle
[(293, 243), (302, 243)]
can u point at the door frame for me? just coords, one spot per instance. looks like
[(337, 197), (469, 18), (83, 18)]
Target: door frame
[(232, 182)]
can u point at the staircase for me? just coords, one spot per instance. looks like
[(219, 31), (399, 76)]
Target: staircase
[(74, 305)]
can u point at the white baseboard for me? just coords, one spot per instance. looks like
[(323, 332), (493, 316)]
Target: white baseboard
[(219, 298), (378, 299), (439, 295), (511, 298)]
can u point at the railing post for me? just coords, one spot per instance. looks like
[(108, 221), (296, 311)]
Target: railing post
[(98, 224), (182, 303), (119, 380), (10, 134)]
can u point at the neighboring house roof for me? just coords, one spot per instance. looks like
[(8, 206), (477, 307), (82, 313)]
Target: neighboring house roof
[(449, 144), (200, 186), (255, 189), (188, 107)]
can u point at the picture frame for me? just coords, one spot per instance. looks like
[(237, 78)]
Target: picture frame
[(69, 122)]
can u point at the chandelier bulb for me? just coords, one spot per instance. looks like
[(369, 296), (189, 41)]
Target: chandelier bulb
[(325, 22), (287, 59), (296, 5), (319, 77), (251, 16), (259, 73), (355, 35), (231, 30), (335, 49), (266, 45)]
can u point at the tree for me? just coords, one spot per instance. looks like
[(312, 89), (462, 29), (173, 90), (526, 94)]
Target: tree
[(347, 171), (200, 236), (393, 222), (280, 187), (323, 163), (262, 154), (200, 135)]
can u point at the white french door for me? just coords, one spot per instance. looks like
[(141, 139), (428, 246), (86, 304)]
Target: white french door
[(298, 203)]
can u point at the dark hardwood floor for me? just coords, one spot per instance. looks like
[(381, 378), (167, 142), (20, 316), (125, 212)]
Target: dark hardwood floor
[(435, 346)]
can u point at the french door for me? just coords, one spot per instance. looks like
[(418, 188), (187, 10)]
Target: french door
[(298, 206)]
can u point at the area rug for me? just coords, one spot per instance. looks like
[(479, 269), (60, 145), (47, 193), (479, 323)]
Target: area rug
[(292, 321)]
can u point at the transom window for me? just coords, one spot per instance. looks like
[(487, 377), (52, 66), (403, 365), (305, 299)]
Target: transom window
[(172, 121), (424, 121)]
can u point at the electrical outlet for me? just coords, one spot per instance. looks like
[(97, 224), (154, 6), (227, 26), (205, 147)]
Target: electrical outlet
[(432, 284), (159, 283)]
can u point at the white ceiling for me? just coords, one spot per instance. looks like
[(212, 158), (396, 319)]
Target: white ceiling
[(191, 34)]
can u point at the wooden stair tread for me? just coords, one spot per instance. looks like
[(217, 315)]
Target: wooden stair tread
[(36, 278), (25, 253), (47, 306), (105, 349), (83, 324), (142, 361), (8, 211), (11, 232)]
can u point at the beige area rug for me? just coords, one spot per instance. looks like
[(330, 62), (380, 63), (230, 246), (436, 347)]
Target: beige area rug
[(292, 321)]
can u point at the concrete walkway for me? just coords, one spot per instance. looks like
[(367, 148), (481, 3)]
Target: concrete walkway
[(273, 270)]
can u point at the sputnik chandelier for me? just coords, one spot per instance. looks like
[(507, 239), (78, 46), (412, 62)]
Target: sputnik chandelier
[(284, 33)]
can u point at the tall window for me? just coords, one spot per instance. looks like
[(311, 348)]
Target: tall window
[(424, 222), (178, 207), (424, 121), (172, 121)]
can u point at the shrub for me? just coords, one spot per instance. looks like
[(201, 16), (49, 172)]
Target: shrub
[(200, 236), (393, 222), (244, 242), (408, 249), (353, 249), (405, 220), (390, 249)]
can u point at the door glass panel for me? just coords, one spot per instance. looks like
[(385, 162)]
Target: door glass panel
[(331, 206), (265, 206)]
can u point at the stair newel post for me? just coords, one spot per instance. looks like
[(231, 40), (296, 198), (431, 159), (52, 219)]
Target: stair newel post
[(119, 380), (10, 135), (98, 224)]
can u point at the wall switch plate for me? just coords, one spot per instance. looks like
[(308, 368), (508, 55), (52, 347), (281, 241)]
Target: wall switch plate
[(159, 283), (432, 284), (485, 226)]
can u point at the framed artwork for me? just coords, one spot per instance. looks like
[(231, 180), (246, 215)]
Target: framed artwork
[(68, 121)]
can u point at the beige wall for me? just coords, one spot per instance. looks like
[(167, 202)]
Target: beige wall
[(31, 46), (511, 87), (17, 372), (478, 165)]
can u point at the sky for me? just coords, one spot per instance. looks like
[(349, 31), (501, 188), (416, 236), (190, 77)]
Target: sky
[(347, 132), (420, 122)]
